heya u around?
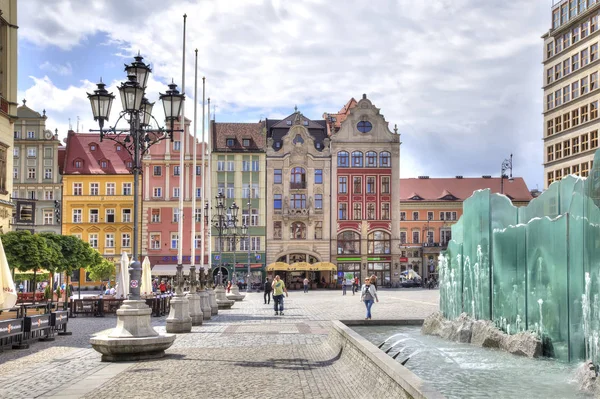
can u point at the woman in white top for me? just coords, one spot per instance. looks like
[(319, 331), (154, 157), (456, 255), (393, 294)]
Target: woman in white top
[(368, 295)]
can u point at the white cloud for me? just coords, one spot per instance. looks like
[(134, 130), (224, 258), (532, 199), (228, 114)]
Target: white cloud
[(63, 70), (460, 77)]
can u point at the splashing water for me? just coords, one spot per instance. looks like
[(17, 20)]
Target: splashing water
[(541, 326)]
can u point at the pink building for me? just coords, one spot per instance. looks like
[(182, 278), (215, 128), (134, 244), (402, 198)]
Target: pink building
[(161, 191)]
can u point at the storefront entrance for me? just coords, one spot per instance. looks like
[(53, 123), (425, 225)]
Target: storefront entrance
[(382, 270)]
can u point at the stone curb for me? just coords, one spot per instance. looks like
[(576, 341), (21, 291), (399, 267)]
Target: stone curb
[(403, 377)]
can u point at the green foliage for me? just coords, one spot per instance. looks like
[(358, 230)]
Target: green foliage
[(58, 293), (39, 277), (48, 292), (102, 270), (26, 251)]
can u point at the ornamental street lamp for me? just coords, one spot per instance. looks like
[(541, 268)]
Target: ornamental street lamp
[(218, 222), (134, 315), (232, 236), (506, 165)]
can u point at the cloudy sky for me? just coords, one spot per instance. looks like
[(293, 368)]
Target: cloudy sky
[(461, 78)]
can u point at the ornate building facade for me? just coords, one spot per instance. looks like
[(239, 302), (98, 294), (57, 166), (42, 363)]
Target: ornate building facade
[(365, 193), (298, 190), (37, 185)]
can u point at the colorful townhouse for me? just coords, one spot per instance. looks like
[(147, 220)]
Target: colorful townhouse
[(239, 172), (161, 171), (365, 169), (97, 200)]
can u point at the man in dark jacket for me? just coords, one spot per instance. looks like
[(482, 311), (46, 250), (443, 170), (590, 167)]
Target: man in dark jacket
[(268, 290)]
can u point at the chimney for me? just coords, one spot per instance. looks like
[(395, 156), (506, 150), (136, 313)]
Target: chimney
[(459, 177)]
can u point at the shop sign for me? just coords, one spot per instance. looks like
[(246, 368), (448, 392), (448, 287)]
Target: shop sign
[(349, 259), (403, 259)]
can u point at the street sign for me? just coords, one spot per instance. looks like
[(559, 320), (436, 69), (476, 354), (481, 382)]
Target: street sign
[(217, 257), (257, 257)]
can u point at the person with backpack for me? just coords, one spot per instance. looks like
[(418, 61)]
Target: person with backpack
[(368, 295), (268, 290)]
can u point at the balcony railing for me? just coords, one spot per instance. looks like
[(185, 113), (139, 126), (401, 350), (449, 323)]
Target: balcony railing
[(298, 186)]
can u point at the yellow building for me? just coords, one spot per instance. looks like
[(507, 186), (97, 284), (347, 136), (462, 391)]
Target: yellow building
[(98, 197), (8, 105)]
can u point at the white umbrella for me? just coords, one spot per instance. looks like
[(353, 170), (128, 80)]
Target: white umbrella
[(123, 277), (8, 293), (146, 287)]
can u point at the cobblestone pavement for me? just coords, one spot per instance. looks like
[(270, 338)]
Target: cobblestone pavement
[(244, 352)]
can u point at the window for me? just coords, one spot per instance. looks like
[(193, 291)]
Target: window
[(245, 190), (584, 142), (48, 217), (31, 152), (110, 189), (254, 217), (550, 127), (429, 215), (566, 148), (109, 241), (549, 154), (157, 192), (574, 118), (277, 201), (342, 185), (277, 230), (575, 62), (255, 243), (319, 201), (357, 184), (415, 215), (32, 195), (255, 166), (94, 215), (15, 173), (318, 230), (48, 195), (93, 240), (277, 176), (385, 185), (594, 51), (126, 215), (220, 166), (342, 211), (550, 101), (549, 50), (230, 190), (104, 164), (584, 57), (246, 142), (566, 171), (230, 166), (558, 174), (415, 238), (77, 189), (175, 215), (378, 242), (594, 23), (31, 173), (594, 110), (364, 126), (575, 147), (566, 67), (371, 159), (584, 28), (298, 201), (584, 85), (402, 216), (357, 159), (594, 139), (198, 192), (576, 170), (385, 211), (110, 215), (584, 114), (230, 142), (343, 159), (94, 189), (446, 236), (566, 121), (584, 169), (198, 170), (175, 192), (575, 35), (245, 166), (16, 152), (176, 145), (318, 176), (298, 231), (77, 215), (385, 159), (154, 241), (155, 218), (157, 170), (370, 184), (17, 134), (557, 98), (557, 71), (78, 164), (125, 240), (198, 215), (357, 211), (558, 151), (298, 178), (176, 170), (371, 211), (126, 188), (348, 243)]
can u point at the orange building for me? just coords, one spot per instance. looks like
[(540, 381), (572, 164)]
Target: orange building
[(430, 206)]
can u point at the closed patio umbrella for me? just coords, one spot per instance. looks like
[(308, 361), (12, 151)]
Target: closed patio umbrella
[(146, 287), (8, 293), (123, 277)]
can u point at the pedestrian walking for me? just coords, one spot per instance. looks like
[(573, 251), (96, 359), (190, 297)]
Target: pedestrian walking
[(344, 287), (268, 290), (278, 290), (306, 282), (368, 294), (373, 280)]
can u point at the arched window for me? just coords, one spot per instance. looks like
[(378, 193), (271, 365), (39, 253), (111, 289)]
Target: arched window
[(385, 159), (357, 159), (343, 159), (371, 159), (378, 242), (348, 243), (298, 178), (298, 231)]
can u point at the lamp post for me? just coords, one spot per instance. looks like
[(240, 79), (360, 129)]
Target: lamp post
[(134, 315), (232, 236), (219, 223), (506, 165)]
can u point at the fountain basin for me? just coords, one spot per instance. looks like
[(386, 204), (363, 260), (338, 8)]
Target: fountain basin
[(131, 349)]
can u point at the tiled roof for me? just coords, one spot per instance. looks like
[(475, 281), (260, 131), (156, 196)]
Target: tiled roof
[(238, 131), (435, 189), (341, 115), (278, 128), (79, 148)]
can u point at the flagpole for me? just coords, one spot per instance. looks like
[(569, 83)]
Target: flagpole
[(203, 190), (209, 189), (193, 172)]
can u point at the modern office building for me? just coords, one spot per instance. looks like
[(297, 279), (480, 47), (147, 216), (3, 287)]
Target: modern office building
[(37, 182), (365, 172), (98, 197), (8, 106), (570, 82), (239, 172)]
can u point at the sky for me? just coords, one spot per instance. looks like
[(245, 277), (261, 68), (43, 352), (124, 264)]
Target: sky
[(460, 78)]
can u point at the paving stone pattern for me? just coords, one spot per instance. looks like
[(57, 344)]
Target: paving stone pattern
[(245, 352)]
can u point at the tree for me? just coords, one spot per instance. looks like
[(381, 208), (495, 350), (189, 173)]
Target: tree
[(103, 270), (26, 251)]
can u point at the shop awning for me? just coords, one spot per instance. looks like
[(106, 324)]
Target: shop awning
[(252, 266), (300, 267), (281, 266), (324, 266)]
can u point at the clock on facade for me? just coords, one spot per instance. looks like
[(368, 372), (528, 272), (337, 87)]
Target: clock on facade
[(364, 126)]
